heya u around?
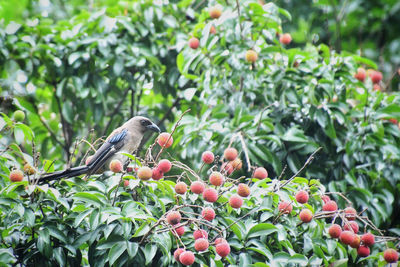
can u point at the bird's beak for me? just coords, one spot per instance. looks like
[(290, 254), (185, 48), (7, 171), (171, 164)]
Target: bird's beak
[(153, 128)]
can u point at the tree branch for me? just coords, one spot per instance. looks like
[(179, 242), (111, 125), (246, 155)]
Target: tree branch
[(115, 111)]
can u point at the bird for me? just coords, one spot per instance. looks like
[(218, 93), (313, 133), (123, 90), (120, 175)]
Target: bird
[(125, 138)]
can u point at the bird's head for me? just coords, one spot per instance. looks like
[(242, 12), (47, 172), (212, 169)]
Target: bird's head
[(144, 124)]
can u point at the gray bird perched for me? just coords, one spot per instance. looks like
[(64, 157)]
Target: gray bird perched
[(126, 139)]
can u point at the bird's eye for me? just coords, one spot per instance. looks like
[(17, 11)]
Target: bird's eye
[(145, 122)]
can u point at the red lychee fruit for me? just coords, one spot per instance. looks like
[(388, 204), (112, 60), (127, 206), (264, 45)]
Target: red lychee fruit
[(335, 230), (353, 226), (260, 173), (243, 190), (165, 139), (390, 255), (197, 187), (376, 76), (285, 39), (194, 43), (201, 244), (235, 201), (377, 87), (237, 164), (186, 258), (128, 169), (215, 11), (223, 249), (330, 206), (180, 188), (126, 183), (350, 213), (306, 215), (174, 217), (325, 198), (207, 157), (356, 242), (200, 233), (230, 153), (116, 166), (178, 230), (164, 165), (144, 173), (285, 207), (156, 174), (302, 196), (16, 176), (219, 240), (347, 237), (360, 74), (177, 253), (210, 195), (368, 239), (227, 168), (251, 56), (216, 178), (213, 30), (208, 214), (363, 251)]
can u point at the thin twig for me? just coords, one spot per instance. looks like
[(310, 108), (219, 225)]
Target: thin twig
[(308, 161), (240, 24), (115, 111), (246, 154)]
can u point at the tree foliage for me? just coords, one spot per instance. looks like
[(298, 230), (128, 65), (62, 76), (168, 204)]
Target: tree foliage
[(97, 69)]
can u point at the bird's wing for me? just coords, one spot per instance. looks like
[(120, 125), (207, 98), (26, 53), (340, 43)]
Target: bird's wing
[(112, 145)]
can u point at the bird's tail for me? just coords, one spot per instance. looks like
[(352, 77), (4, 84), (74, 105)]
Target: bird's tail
[(76, 171)]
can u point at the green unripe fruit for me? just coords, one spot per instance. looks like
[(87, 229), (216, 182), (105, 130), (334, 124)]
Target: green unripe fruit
[(19, 115)]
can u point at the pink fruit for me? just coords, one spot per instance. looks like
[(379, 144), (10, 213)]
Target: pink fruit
[(223, 249), (180, 188), (116, 166), (285, 207), (210, 195), (208, 214), (330, 206), (335, 230), (207, 157), (260, 173), (156, 174), (230, 153), (194, 43), (164, 165), (197, 187), (302, 196), (235, 201), (201, 244), (186, 258), (165, 139), (216, 178), (200, 233)]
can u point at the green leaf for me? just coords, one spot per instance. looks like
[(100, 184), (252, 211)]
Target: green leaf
[(298, 259), (132, 248), (149, 252), (116, 251), (285, 13), (91, 198), (295, 135), (262, 229), (81, 216), (142, 230)]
